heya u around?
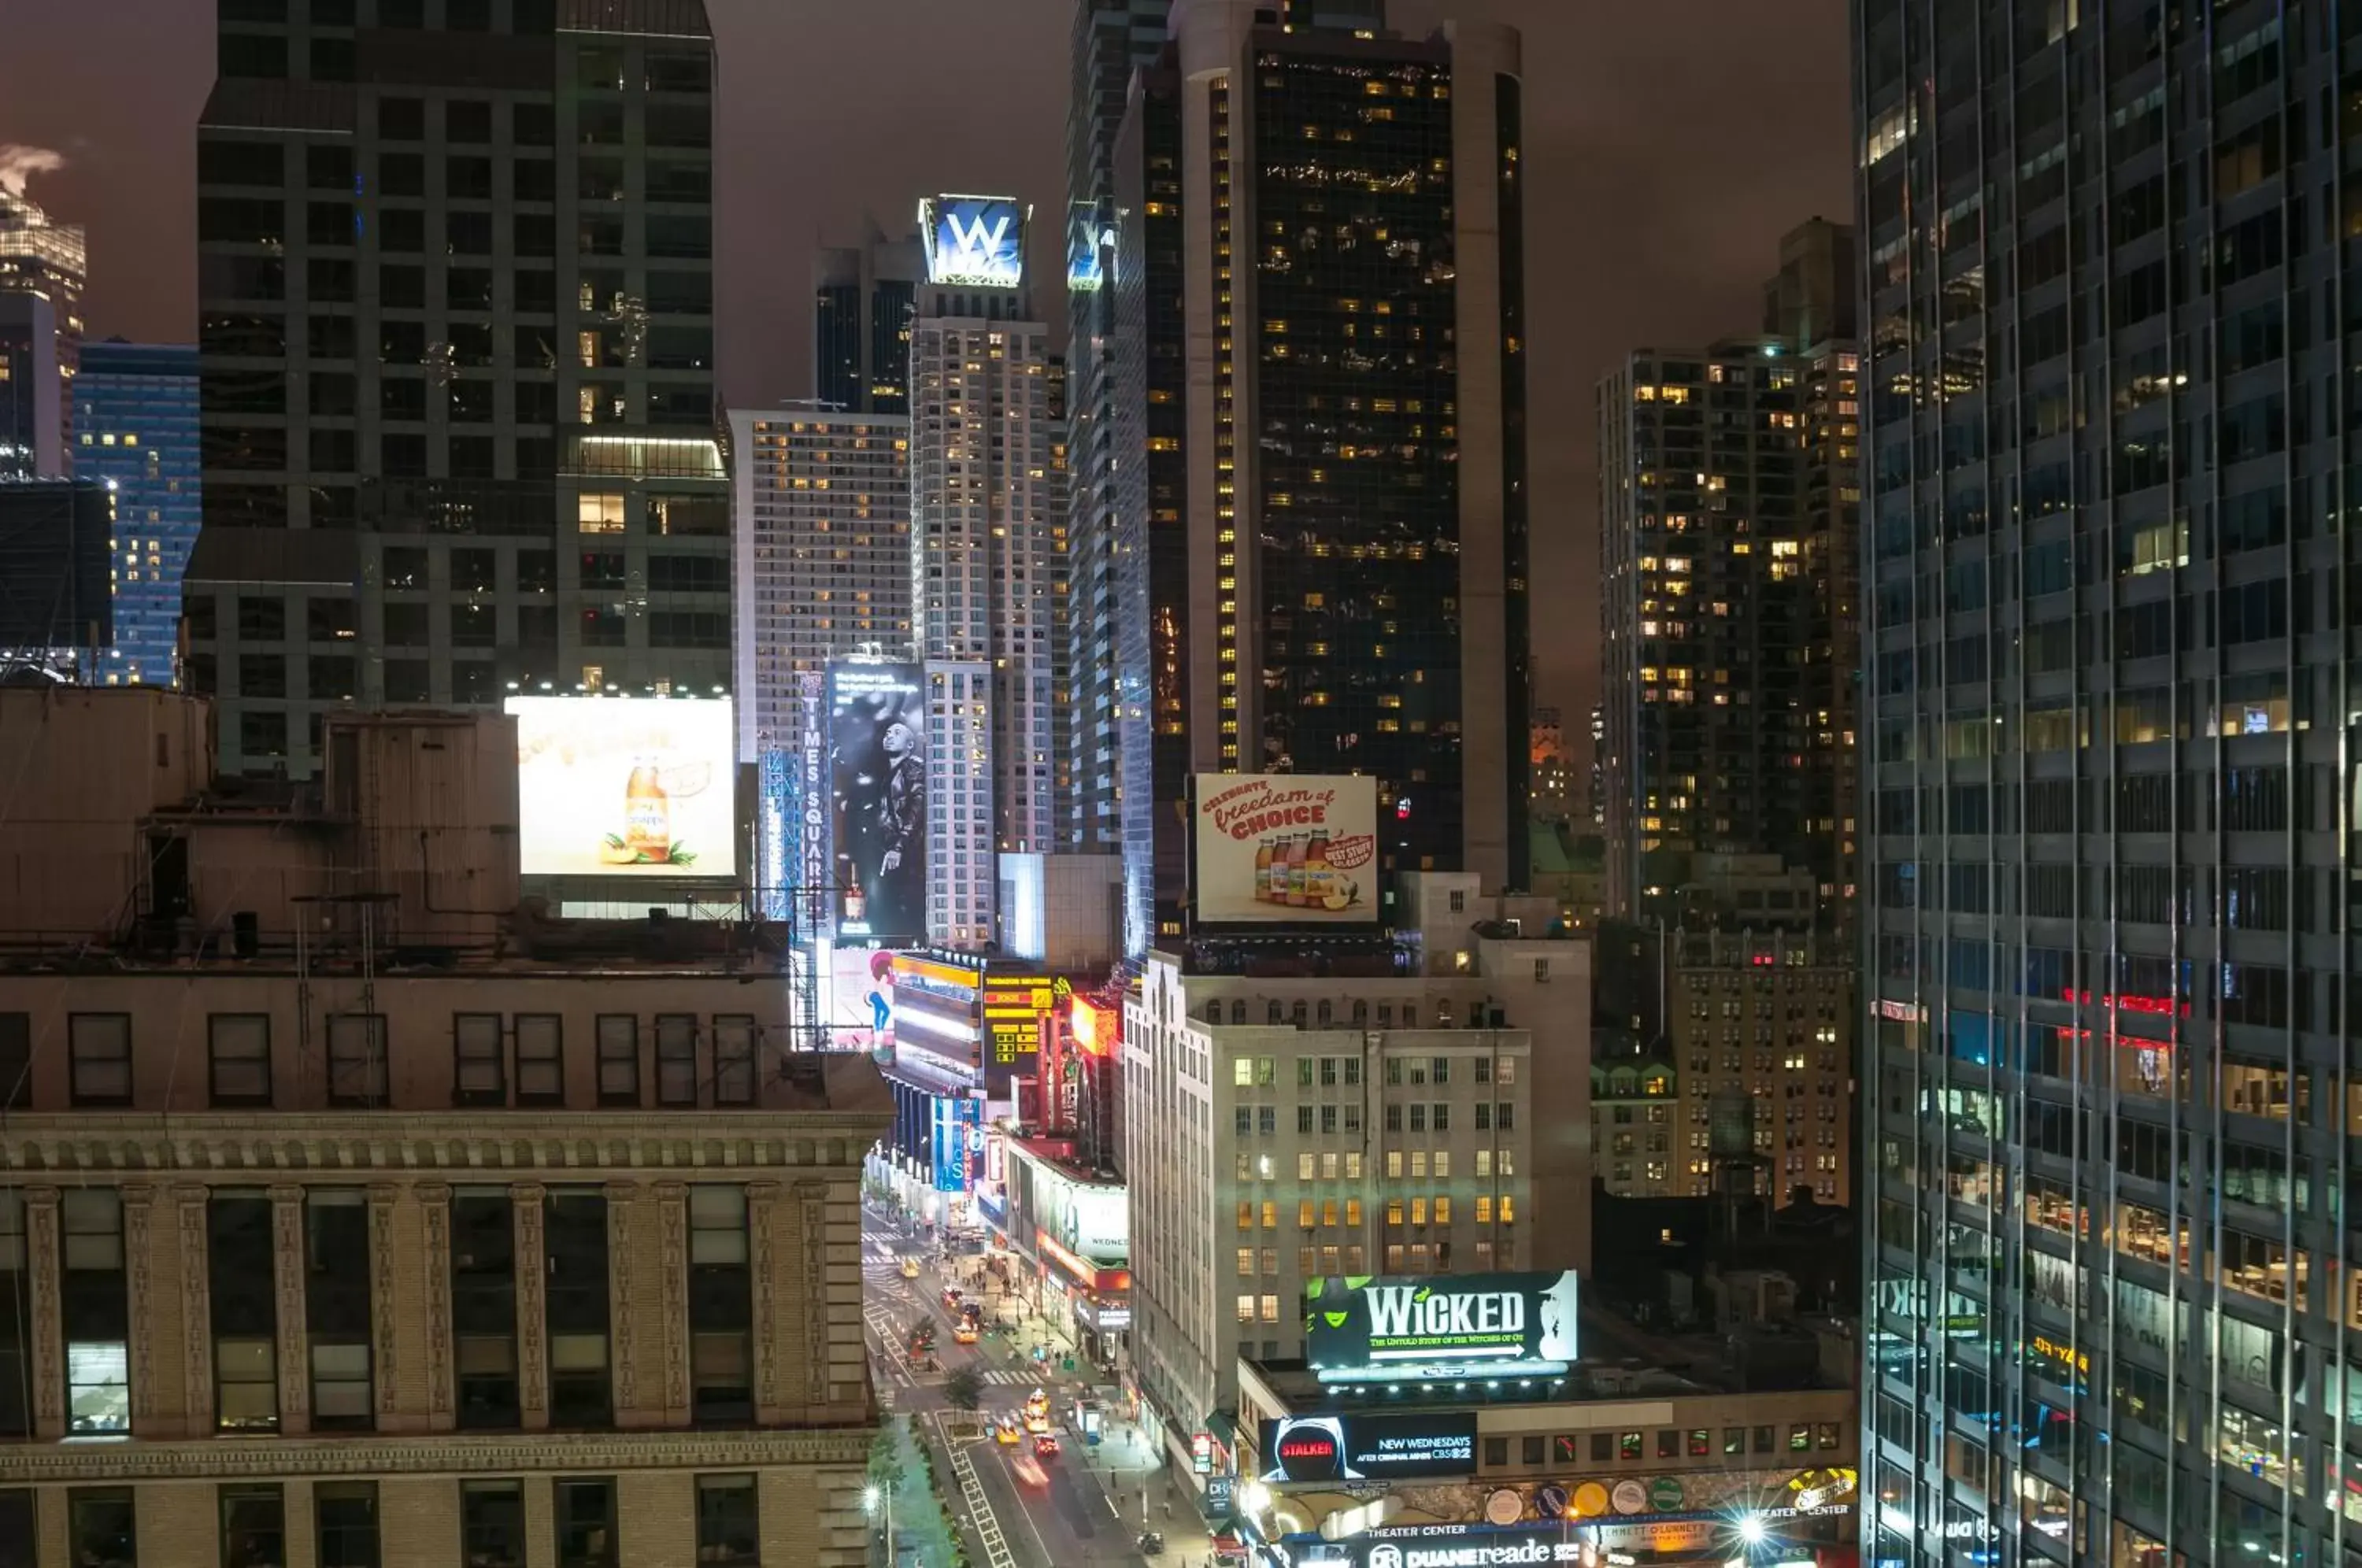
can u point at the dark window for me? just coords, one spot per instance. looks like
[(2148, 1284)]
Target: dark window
[(492, 1524), (585, 1513), (402, 287), (1529, 1451), (356, 1059), (476, 1070), (15, 1060), (337, 1310), (253, 1527), (726, 1532), (101, 1529), (346, 1512), (466, 119), (19, 1537), (98, 1051), (734, 1059), (575, 1240), (540, 1058), (94, 1303), (533, 124), (1603, 1448), (1669, 1444), (721, 1307), (1496, 1451), (15, 1343), (483, 1306), (239, 1063), (245, 1319), (675, 1058), (619, 1059)]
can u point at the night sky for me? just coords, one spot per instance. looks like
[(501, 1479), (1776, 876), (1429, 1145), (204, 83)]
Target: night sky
[(1670, 145)]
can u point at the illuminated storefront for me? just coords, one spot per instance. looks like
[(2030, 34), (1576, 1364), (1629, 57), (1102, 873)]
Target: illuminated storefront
[(1647, 1470)]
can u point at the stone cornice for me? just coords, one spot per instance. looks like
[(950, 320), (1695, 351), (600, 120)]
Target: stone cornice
[(457, 1145), (232, 1459)]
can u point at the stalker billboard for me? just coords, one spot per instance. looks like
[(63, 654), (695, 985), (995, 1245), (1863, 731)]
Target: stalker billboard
[(1307, 1449), (1285, 848), (1390, 1329)]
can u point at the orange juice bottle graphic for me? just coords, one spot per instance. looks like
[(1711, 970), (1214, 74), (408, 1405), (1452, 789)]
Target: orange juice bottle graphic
[(647, 813)]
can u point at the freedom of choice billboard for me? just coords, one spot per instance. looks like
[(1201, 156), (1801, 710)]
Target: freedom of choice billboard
[(1401, 1330), (1285, 848)]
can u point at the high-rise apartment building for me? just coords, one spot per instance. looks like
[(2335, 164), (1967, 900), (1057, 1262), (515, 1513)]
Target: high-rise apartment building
[(988, 551), (864, 299), (135, 430), (50, 262), (455, 292), (1727, 501), (2111, 707), (1112, 39), (824, 554), (427, 1273), (1345, 378)]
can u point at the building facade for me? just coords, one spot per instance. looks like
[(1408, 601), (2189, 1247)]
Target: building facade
[(864, 299), (135, 430), (494, 466), (30, 423), (1352, 519), (822, 503), (1284, 1129), (49, 261), (1729, 509), (57, 609), (2111, 703), (1112, 39), (987, 578), (484, 1241)]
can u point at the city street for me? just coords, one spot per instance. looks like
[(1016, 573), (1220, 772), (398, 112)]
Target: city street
[(1080, 1508)]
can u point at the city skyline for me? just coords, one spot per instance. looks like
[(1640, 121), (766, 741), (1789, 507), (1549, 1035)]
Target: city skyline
[(1694, 201)]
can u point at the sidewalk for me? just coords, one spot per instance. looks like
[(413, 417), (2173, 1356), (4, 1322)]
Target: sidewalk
[(1134, 1477)]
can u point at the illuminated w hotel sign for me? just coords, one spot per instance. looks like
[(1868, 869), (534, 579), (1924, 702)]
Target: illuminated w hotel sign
[(973, 241)]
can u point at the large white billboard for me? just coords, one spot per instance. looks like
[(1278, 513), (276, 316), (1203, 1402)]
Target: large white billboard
[(625, 787), (1293, 849)]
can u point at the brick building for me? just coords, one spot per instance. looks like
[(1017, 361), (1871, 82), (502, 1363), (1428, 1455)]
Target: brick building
[(355, 1217)]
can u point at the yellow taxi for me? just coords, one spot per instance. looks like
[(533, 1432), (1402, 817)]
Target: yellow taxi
[(965, 1334), (1007, 1433), (909, 1268)]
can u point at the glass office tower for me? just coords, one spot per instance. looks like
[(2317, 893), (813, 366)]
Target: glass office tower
[(136, 428), (2113, 1316)]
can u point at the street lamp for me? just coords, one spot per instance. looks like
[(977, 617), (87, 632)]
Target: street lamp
[(875, 1499)]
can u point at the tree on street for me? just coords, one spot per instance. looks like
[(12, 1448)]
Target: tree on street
[(886, 1457), (964, 1389)]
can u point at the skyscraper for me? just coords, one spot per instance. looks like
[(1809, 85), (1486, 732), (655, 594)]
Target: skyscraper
[(135, 428), (1350, 498), (988, 555), (29, 386), (52, 262), (2110, 715), (1112, 39), (863, 297), (823, 570), (824, 552), (446, 454), (1728, 506)]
